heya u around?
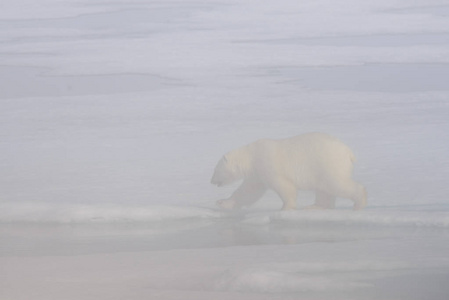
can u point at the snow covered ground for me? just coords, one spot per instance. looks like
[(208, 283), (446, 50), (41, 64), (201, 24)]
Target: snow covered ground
[(113, 115)]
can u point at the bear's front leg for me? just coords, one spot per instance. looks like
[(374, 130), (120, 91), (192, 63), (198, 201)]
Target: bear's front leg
[(227, 203), (288, 193), (247, 193)]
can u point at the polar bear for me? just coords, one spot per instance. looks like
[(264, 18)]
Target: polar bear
[(312, 161)]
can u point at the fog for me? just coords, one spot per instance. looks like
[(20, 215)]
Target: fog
[(114, 114)]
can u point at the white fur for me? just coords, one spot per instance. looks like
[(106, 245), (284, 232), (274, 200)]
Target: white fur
[(312, 161)]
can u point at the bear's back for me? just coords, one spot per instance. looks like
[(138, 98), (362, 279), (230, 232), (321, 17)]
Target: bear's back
[(315, 143), (308, 158)]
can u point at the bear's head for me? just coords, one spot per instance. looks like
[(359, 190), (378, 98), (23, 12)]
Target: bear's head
[(226, 172)]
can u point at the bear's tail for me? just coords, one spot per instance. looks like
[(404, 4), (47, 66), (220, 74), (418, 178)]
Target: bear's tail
[(352, 157)]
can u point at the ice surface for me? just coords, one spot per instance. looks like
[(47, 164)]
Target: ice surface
[(113, 115), (46, 213), (430, 216), (92, 263)]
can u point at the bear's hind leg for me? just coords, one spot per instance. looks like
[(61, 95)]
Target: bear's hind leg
[(356, 192), (323, 200), (360, 198)]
